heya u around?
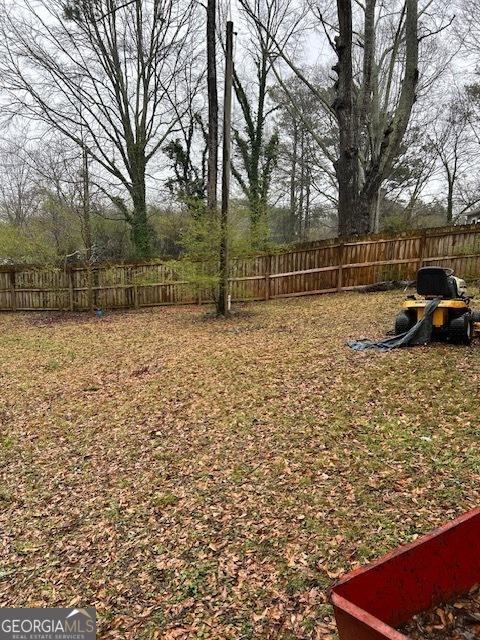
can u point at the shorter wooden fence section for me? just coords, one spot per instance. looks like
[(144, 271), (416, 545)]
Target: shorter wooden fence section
[(321, 267)]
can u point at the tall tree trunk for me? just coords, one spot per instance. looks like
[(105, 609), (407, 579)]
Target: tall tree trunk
[(259, 225), (212, 138), (450, 201), (308, 187), (139, 221), (293, 184), (87, 226), (394, 132), (358, 191), (350, 219), (368, 207), (222, 302), (301, 197), (258, 208)]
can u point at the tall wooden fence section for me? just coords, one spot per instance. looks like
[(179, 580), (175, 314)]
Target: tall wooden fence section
[(324, 266)]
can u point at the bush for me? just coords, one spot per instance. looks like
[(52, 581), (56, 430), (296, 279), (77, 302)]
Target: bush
[(17, 247), (199, 264)]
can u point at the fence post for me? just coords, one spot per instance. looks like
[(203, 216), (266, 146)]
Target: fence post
[(90, 290), (136, 301), (268, 271), (13, 294), (340, 267), (71, 290), (421, 249)]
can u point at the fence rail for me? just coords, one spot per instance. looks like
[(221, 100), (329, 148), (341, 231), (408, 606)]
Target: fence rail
[(321, 267)]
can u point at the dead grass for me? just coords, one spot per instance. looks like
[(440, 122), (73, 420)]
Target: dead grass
[(197, 479)]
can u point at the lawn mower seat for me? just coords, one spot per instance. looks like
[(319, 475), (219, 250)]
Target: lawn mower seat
[(436, 282)]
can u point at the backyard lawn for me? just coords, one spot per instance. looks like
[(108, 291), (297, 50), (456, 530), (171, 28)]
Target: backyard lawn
[(195, 478)]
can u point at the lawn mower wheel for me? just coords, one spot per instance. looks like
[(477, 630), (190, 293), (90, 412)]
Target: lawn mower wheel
[(403, 323), (460, 330)]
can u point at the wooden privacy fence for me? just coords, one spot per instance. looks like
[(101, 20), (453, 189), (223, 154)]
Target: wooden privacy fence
[(322, 267)]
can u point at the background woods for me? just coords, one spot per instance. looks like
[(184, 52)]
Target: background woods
[(348, 118)]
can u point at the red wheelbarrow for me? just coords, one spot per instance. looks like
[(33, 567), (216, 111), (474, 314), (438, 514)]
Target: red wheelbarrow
[(371, 601)]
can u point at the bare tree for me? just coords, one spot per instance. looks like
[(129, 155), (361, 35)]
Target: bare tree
[(376, 46), (257, 146), (358, 189), (188, 150), (305, 170), (452, 140), (19, 192), (120, 62), (61, 172)]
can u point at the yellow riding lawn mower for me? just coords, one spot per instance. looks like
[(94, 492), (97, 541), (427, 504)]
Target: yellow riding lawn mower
[(453, 318)]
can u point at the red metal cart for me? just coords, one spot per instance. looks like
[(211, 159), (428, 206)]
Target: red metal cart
[(371, 601)]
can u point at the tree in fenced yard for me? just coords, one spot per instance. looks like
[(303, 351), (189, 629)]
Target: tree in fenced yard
[(20, 194), (199, 265), (188, 149), (376, 47), (188, 184), (195, 183), (305, 170), (374, 114), (455, 147), (120, 63), (257, 139)]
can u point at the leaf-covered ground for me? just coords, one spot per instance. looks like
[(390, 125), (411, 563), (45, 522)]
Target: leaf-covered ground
[(193, 478)]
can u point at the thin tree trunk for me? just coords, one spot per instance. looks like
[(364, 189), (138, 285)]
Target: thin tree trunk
[(293, 184), (301, 198), (212, 138), (87, 226), (258, 210), (450, 201), (308, 186), (375, 212), (222, 303)]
